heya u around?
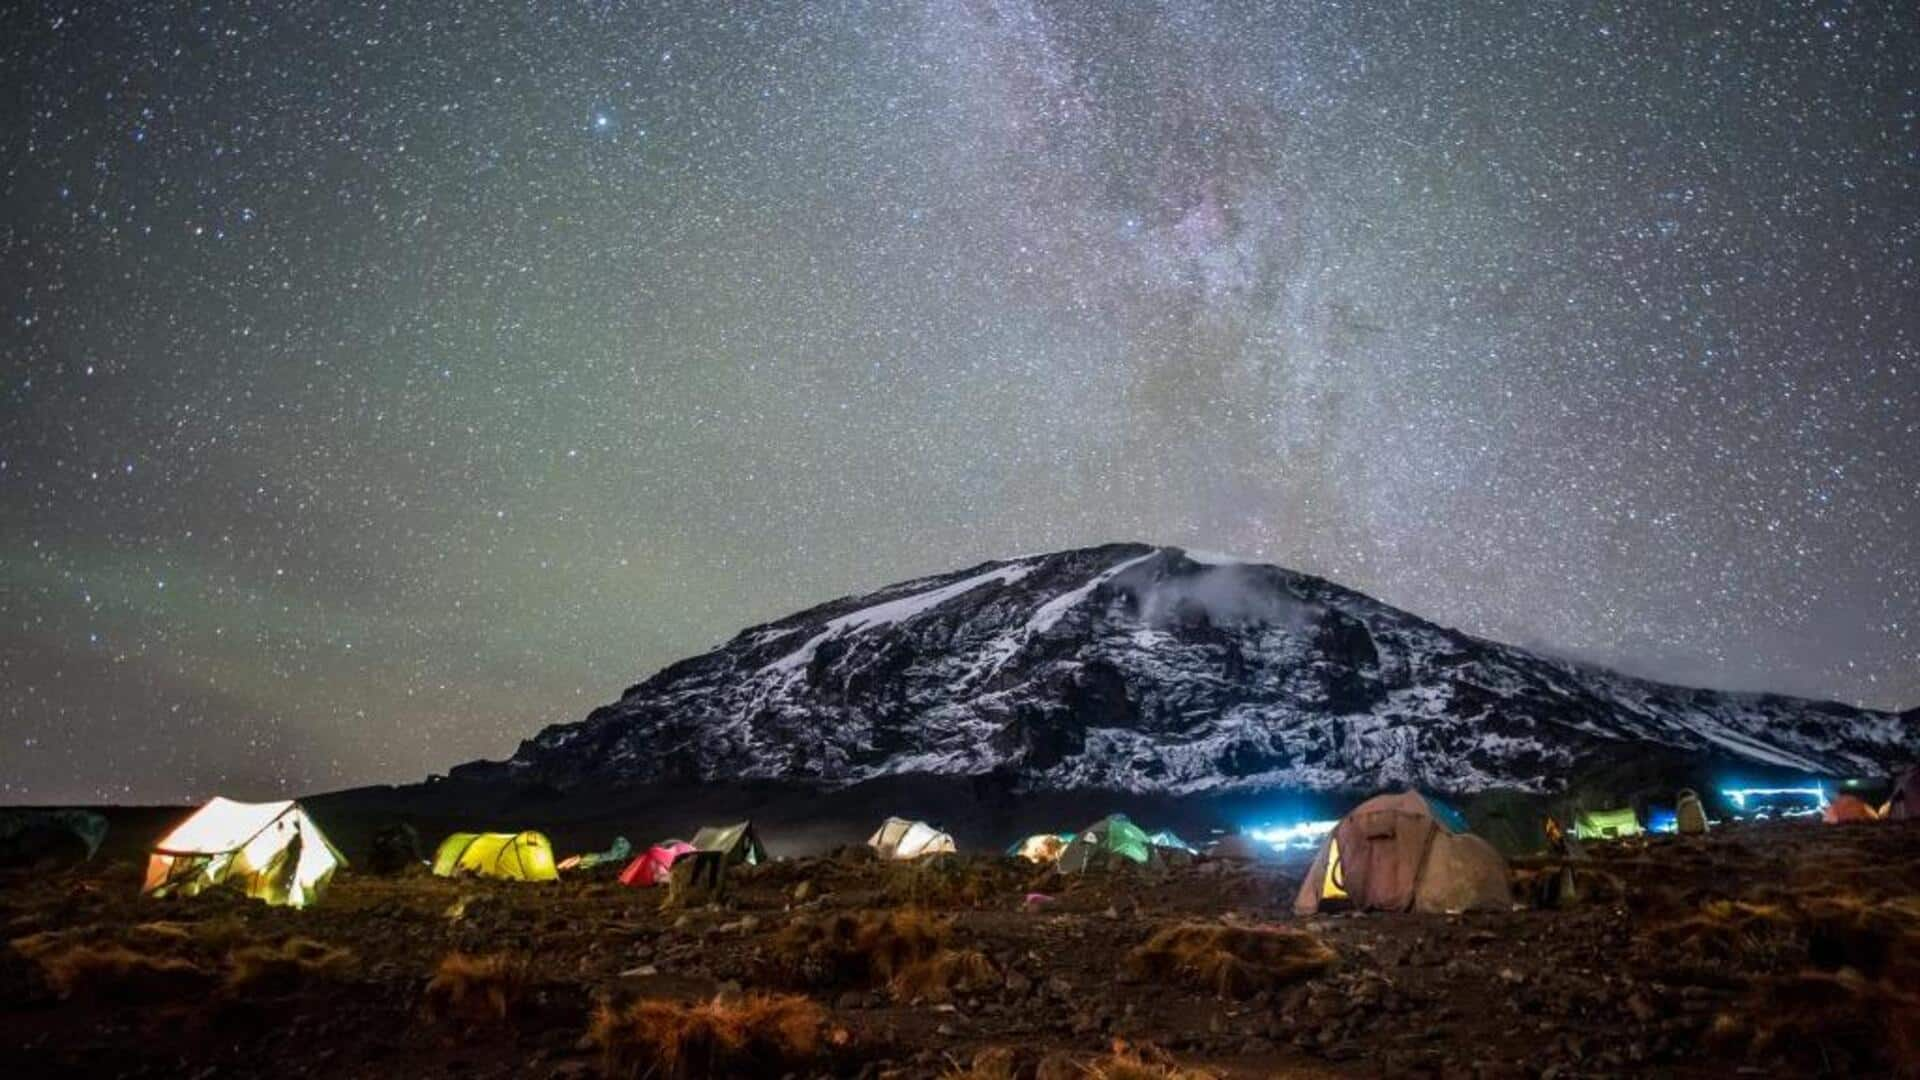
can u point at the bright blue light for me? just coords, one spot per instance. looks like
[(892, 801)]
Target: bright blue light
[(1662, 820), (1740, 797), (1301, 834)]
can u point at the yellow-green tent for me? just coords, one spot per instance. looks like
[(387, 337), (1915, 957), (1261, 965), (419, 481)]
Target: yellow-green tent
[(526, 856), (1607, 824)]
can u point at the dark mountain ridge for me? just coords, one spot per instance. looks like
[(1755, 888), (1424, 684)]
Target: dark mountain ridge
[(1167, 672)]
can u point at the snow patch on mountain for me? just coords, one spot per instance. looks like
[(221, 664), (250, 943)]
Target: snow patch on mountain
[(1049, 614), (893, 611)]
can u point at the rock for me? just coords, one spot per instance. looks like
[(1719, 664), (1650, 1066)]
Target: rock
[(803, 892), (852, 999), (1018, 984)]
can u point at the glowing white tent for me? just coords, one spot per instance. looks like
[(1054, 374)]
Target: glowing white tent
[(269, 851), (898, 838)]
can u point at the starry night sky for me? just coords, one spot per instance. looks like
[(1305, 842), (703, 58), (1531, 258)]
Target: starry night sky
[(382, 383)]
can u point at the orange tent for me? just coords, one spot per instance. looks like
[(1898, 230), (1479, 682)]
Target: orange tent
[(1845, 808)]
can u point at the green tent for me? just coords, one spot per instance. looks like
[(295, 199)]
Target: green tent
[(1108, 842), (1509, 820), (737, 843), (1607, 824)]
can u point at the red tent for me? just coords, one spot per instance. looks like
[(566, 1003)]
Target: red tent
[(654, 864)]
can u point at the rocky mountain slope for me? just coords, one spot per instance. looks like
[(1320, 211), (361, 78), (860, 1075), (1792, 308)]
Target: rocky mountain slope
[(1128, 667)]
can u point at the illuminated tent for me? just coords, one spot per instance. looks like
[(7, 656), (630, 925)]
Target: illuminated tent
[(1689, 815), (269, 851), (654, 865), (898, 838), (1845, 808), (1405, 852), (1042, 847), (1607, 824), (525, 856), (1108, 842), (1904, 803), (1167, 838), (1171, 850), (736, 843)]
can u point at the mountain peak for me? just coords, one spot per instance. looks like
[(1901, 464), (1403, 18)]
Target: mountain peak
[(1158, 669)]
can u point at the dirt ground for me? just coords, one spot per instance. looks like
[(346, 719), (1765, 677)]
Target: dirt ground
[(1768, 948)]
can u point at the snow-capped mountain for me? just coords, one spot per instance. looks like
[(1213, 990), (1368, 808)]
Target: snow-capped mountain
[(1150, 669)]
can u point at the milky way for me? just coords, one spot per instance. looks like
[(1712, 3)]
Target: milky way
[(383, 383)]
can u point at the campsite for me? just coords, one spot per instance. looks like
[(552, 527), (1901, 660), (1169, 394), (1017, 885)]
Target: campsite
[(1783, 945)]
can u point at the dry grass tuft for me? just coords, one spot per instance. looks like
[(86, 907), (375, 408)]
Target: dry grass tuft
[(857, 949), (1828, 930), (1879, 940), (992, 1063), (1143, 1062), (946, 881), (946, 973), (753, 1036), (1730, 931), (477, 988), (113, 972), (294, 964), (1232, 961), (170, 937), (1827, 1023)]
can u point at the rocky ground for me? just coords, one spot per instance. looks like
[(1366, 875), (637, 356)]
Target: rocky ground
[(1784, 948)]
